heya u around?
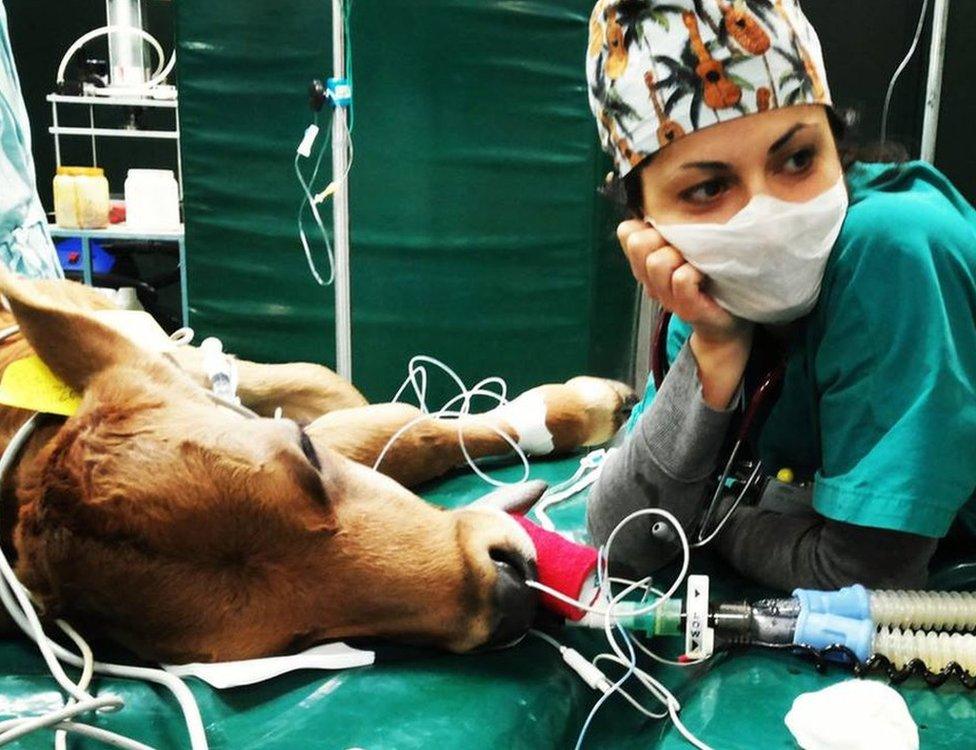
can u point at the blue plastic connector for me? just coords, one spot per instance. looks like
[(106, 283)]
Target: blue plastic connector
[(339, 91), (852, 601), (819, 630)]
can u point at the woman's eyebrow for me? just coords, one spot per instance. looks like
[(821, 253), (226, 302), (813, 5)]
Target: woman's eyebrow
[(785, 138), (711, 166)]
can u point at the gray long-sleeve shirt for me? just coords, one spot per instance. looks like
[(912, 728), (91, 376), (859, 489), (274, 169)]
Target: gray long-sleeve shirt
[(669, 462)]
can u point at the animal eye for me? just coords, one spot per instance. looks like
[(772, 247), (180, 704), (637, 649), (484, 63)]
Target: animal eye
[(800, 161), (705, 192), (309, 450)]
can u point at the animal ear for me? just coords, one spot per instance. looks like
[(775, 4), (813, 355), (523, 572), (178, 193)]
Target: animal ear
[(72, 343)]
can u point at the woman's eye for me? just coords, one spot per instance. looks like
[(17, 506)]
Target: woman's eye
[(705, 192), (799, 162)]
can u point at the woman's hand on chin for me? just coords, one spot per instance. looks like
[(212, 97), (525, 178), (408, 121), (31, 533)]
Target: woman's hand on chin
[(720, 341)]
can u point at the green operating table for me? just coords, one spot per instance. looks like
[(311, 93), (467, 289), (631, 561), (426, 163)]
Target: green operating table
[(520, 698)]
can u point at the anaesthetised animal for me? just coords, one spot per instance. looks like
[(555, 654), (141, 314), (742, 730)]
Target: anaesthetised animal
[(189, 532)]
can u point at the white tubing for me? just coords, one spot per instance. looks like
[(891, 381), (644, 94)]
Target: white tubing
[(17, 602), (417, 377), (102, 31), (937, 650), (925, 610)]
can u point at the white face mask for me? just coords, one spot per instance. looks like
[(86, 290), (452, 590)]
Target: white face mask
[(766, 263)]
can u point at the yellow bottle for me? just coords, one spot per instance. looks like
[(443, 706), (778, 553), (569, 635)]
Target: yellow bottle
[(81, 198)]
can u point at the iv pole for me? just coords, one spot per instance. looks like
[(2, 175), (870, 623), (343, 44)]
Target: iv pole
[(933, 89), (340, 203)]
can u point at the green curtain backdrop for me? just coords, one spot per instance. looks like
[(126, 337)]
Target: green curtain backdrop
[(477, 234)]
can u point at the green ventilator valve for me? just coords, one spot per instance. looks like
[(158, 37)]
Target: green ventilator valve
[(666, 619)]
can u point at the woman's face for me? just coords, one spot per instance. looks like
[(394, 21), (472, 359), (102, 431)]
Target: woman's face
[(710, 175)]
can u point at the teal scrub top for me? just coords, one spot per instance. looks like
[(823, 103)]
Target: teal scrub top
[(25, 242), (879, 397)]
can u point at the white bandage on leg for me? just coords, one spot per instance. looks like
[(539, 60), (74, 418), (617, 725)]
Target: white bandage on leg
[(527, 416)]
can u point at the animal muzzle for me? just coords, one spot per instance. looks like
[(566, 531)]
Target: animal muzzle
[(514, 602)]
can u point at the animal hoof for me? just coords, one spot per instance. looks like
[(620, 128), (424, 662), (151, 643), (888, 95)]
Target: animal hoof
[(608, 403)]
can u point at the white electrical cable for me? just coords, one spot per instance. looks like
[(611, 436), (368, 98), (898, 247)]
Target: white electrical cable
[(901, 67), (17, 602), (313, 201), (101, 735), (61, 736), (103, 31), (586, 475), (657, 689), (14, 729), (417, 377), (20, 595), (608, 612), (673, 709), (597, 679), (589, 671), (309, 200), (636, 641)]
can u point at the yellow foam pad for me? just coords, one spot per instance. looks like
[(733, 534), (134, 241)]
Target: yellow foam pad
[(29, 384)]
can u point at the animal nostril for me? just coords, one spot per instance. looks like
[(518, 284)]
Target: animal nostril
[(514, 602), (513, 560)]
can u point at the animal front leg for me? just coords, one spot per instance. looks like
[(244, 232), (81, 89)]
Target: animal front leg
[(303, 390), (542, 421), (558, 418), (425, 448)]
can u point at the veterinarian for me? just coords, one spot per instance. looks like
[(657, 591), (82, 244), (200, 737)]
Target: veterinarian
[(25, 244), (758, 231)]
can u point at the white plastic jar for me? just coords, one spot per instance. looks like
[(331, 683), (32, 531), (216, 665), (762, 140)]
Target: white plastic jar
[(152, 199), (81, 198)]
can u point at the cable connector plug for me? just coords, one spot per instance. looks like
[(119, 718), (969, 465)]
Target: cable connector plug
[(588, 672), (305, 146)]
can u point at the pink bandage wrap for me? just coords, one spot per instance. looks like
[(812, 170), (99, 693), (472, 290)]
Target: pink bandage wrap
[(562, 565)]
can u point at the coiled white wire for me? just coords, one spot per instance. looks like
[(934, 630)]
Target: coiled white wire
[(587, 474), (309, 200), (628, 660), (16, 600), (313, 201), (417, 378)]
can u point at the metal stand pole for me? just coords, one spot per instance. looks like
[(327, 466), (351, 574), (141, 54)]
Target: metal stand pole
[(340, 202), (933, 88)]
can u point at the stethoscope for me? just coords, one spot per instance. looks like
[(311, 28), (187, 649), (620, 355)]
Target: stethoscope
[(741, 476)]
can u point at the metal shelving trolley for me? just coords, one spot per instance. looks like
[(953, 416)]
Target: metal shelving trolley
[(120, 231)]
